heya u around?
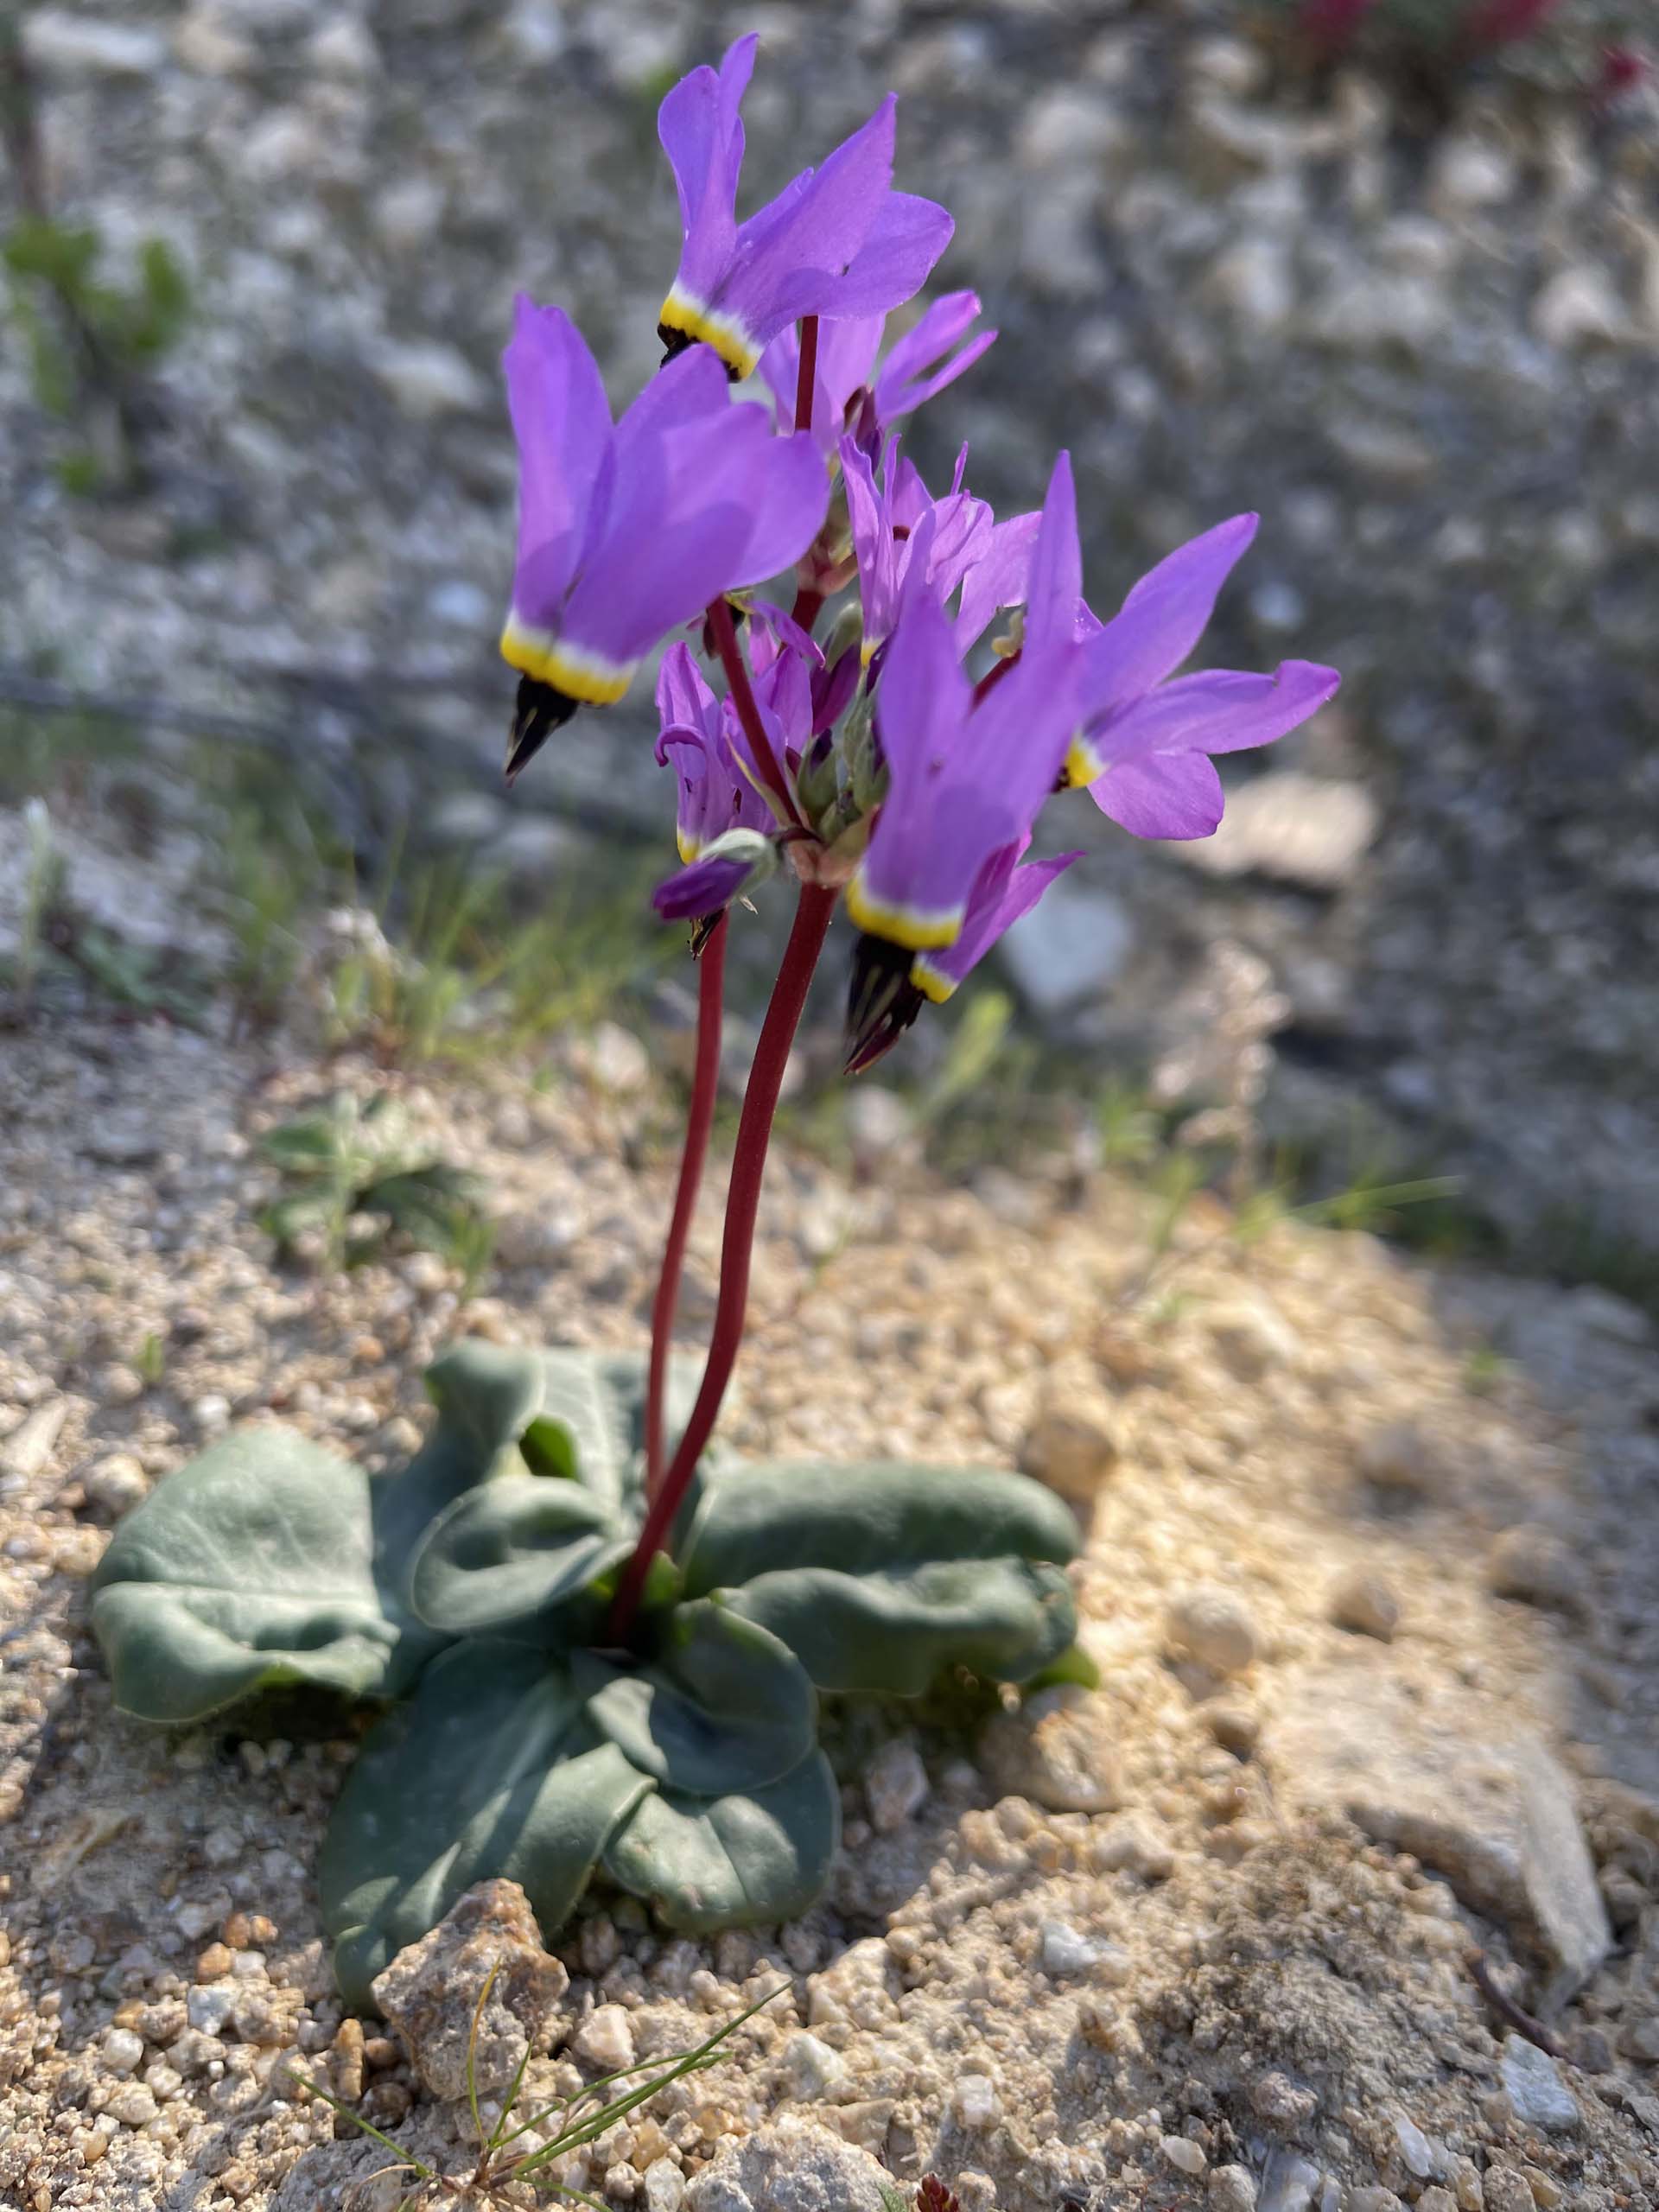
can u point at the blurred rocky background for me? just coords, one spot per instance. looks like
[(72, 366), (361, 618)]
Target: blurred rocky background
[(1384, 273)]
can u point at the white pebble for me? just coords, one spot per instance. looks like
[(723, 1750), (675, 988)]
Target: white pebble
[(815, 2071), (664, 2186), (605, 2040), (209, 2006), (895, 1785), (1212, 1626), (975, 2101), (123, 2050), (1066, 1951), (1187, 2157)]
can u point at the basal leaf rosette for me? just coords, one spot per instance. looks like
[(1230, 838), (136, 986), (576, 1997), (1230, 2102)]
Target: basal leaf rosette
[(470, 1594)]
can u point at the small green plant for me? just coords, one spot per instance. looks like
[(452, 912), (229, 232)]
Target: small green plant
[(149, 1361), (43, 877), (502, 2160), (90, 345), (345, 1162), (534, 1730)]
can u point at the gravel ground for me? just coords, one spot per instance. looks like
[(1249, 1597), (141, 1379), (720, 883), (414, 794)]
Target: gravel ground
[(1184, 1942), (1423, 349)]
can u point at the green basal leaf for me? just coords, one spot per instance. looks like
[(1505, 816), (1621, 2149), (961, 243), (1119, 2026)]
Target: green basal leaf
[(878, 1577), (723, 1862), (491, 1769), (726, 1706), (1074, 1666), (248, 1570), (503, 1553)]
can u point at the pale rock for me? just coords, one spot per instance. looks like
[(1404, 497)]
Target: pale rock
[(343, 48), (1232, 66), (533, 33), (1278, 607), (1364, 1604), (27, 1448), (1251, 1337), (1057, 1750), (409, 213), (122, 2051), (1254, 280), (1373, 310), (1232, 2188), (1469, 173), (204, 42), (616, 1060), (1133, 1845), (1579, 307), (209, 2006), (854, 1988), (1064, 1949), (59, 44), (1309, 830), (816, 2072), (881, 1127), (895, 1785), (1288, 2184), (1534, 1564), (428, 379), (1417, 2154), (1071, 1446), (1186, 2156), (974, 2101), (1383, 453), (605, 2039), (134, 2107), (114, 1486), (792, 2164), (664, 2188), (1067, 126), (1403, 1457), (1069, 948), (1446, 1778), (430, 1993), (1212, 1627), (1534, 2086)]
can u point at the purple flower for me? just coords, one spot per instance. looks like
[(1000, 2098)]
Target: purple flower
[(893, 550), (716, 792), (890, 986), (837, 241), (626, 531), (966, 778), (845, 397), (1144, 745)]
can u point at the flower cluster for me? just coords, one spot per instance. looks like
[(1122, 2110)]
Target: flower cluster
[(869, 760)]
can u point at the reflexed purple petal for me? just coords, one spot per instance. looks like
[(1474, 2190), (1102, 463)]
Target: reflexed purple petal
[(703, 887), (674, 537), (701, 133), (790, 255), (773, 632), (1219, 710), (563, 423), (1163, 617), (789, 495), (1004, 895), (921, 348), (1165, 795), (1055, 585), (833, 689), (897, 257), (683, 699), (998, 579), (684, 391)]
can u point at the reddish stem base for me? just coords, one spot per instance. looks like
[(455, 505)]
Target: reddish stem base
[(742, 1203), (700, 1119)]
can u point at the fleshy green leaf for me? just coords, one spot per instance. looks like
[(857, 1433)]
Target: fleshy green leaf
[(726, 1706), (879, 1576), (506, 1553), (722, 1862), (491, 1769), (250, 1569)]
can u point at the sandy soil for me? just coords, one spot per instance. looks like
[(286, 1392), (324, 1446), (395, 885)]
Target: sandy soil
[(1135, 1952)]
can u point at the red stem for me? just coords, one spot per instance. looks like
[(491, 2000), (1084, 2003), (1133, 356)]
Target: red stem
[(742, 1202), (807, 377), (700, 1119), (724, 632), (993, 677), (805, 609)]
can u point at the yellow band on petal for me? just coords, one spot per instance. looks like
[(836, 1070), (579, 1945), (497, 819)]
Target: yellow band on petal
[(918, 928), (551, 659), (932, 982), (723, 332), (1082, 764)]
